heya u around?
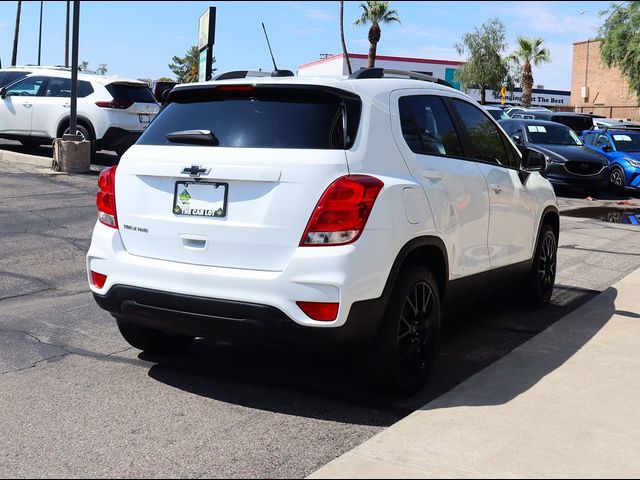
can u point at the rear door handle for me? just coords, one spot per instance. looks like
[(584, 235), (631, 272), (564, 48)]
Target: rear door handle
[(496, 187), (27, 105), (66, 105), (432, 175)]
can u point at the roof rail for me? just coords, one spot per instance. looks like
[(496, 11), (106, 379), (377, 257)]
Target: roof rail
[(621, 127), (240, 74), (381, 72)]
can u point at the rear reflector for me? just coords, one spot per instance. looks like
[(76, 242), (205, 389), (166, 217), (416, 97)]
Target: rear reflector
[(322, 312), (98, 279), (342, 212)]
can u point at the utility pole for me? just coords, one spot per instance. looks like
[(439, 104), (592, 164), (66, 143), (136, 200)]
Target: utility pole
[(14, 57), (40, 32), (73, 118), (66, 37)]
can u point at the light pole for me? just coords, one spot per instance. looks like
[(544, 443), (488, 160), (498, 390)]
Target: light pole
[(14, 57), (40, 32), (66, 37)]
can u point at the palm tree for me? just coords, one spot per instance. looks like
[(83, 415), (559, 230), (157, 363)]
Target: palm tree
[(375, 13), (529, 51), (344, 44)]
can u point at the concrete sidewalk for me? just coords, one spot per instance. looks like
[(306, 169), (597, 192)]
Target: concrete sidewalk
[(565, 404)]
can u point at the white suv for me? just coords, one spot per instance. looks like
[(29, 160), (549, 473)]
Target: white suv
[(112, 112), (347, 212)]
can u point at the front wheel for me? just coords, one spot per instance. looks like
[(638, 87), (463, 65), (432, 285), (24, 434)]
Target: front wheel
[(616, 180), (404, 351), (152, 340), (542, 276), (84, 133)]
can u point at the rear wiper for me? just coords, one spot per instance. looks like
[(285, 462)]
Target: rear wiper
[(204, 137)]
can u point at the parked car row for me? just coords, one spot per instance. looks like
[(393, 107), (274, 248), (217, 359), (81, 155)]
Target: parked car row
[(112, 112), (597, 159)]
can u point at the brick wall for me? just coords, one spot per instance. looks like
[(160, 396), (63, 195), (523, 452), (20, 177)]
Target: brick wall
[(607, 87)]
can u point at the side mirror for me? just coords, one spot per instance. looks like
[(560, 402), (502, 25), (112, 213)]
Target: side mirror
[(533, 161), (3, 92)]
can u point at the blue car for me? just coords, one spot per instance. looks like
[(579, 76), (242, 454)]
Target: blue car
[(621, 146)]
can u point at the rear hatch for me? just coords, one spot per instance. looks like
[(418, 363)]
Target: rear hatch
[(240, 190), (135, 103)]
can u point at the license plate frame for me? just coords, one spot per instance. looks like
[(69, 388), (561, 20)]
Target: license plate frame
[(144, 118), (183, 205)]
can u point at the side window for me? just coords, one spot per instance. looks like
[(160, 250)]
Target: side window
[(427, 127), (588, 138), (602, 141), (58, 87), (30, 87), (486, 141), (84, 89), (517, 134)]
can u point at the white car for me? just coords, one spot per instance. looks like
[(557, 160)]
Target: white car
[(112, 112), (346, 212)]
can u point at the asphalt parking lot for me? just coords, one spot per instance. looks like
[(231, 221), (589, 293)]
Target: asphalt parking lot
[(78, 402)]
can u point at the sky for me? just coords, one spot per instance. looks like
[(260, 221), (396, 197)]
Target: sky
[(138, 39)]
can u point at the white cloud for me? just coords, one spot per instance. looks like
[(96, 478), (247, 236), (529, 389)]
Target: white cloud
[(313, 13), (543, 18), (309, 31)]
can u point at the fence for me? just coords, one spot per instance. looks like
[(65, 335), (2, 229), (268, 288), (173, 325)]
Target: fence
[(617, 112)]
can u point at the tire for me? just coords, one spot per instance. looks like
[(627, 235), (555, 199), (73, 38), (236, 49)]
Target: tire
[(151, 340), (402, 355), (542, 277), (85, 133), (616, 180)]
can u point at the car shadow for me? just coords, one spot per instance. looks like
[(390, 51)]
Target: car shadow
[(326, 386), (505, 381), (102, 157)]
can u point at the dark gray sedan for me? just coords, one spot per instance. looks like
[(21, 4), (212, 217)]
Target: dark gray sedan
[(569, 162)]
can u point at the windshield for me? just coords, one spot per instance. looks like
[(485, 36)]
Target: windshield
[(552, 135), (260, 117), (627, 142)]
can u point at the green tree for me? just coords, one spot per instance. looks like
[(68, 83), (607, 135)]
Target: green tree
[(145, 80), (375, 13), (102, 69), (83, 65), (530, 51), (620, 34), (186, 68), (486, 67), (163, 79)]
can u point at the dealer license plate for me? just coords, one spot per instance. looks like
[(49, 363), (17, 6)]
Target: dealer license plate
[(200, 199)]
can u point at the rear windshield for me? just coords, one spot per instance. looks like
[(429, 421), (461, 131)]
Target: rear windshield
[(577, 124), (137, 93), (261, 117), (9, 77)]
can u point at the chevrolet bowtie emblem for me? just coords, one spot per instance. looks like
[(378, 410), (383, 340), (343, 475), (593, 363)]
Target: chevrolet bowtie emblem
[(196, 171)]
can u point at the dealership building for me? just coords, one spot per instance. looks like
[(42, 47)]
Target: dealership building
[(445, 69)]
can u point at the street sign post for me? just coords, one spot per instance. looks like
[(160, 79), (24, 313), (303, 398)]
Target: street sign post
[(503, 94), (206, 42)]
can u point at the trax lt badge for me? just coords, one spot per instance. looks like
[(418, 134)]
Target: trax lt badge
[(195, 171)]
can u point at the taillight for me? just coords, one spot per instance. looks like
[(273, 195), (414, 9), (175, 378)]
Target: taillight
[(98, 279), (234, 88), (116, 103), (320, 311), (342, 212), (106, 198)]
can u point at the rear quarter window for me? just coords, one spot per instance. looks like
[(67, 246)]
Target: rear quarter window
[(261, 117)]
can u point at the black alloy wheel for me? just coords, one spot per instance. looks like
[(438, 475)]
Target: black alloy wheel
[(547, 264), (417, 332), (402, 355), (616, 179)]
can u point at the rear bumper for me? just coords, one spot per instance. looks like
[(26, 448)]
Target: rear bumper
[(207, 317), (117, 138)]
